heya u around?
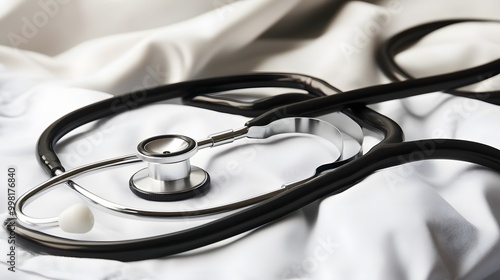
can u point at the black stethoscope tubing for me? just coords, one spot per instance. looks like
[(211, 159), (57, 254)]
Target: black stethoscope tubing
[(389, 152), (386, 57)]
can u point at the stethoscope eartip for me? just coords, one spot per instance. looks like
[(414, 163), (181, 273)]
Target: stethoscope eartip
[(76, 219)]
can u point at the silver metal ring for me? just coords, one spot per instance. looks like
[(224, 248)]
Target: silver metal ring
[(338, 119), (148, 188)]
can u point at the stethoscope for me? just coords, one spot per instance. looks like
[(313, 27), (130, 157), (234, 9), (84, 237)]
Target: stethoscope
[(324, 112)]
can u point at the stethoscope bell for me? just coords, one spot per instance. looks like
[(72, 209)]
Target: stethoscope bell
[(169, 175)]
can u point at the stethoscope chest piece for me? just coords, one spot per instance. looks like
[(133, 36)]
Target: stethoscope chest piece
[(169, 175)]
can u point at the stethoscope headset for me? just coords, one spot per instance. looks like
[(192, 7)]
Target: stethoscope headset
[(169, 175)]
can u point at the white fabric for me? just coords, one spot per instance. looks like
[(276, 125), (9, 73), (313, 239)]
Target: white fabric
[(426, 220)]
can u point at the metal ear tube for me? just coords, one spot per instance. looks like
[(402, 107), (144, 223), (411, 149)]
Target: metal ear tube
[(169, 176)]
